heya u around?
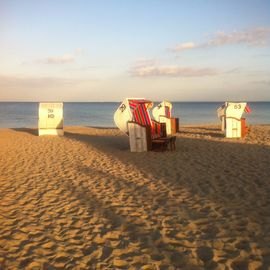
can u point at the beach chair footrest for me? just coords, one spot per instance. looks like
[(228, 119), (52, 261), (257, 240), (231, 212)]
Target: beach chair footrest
[(162, 143)]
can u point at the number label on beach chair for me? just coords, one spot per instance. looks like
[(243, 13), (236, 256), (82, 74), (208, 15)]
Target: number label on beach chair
[(237, 106)]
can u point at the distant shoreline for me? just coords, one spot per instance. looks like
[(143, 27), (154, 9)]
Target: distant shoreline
[(115, 128)]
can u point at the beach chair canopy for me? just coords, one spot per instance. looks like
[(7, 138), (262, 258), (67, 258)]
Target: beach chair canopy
[(162, 109), (135, 110), (139, 110), (233, 109), (221, 111)]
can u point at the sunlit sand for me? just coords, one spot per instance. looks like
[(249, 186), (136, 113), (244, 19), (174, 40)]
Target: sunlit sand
[(84, 201)]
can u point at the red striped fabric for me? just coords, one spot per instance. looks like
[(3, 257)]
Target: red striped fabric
[(136, 116), (247, 109), (139, 111), (141, 116), (147, 116), (156, 130), (167, 111), (154, 134)]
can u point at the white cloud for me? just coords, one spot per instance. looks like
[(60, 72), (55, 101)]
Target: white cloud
[(184, 46), (255, 37), (141, 62), (144, 67), (171, 71), (63, 59)]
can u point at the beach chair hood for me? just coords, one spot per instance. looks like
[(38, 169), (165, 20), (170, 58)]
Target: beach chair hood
[(235, 110), (221, 111), (162, 109), (135, 110)]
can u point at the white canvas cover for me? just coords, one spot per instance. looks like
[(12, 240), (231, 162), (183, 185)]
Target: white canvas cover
[(51, 121), (160, 110), (122, 116), (162, 114)]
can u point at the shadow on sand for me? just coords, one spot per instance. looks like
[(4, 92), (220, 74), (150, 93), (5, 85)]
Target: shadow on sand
[(225, 183), (32, 131)]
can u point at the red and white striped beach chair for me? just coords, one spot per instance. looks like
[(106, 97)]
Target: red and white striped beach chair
[(133, 118)]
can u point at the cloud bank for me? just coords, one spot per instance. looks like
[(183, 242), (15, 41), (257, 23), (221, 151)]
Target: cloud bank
[(184, 46), (254, 37), (62, 59), (171, 71), (264, 82), (34, 82), (37, 88)]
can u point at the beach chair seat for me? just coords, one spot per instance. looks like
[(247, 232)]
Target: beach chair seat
[(170, 141), (160, 145)]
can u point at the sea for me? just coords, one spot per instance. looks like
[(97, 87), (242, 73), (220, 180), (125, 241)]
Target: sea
[(100, 114)]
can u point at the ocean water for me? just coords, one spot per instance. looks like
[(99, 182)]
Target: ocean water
[(100, 114)]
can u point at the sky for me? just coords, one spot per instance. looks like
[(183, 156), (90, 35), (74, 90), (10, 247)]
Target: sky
[(107, 50)]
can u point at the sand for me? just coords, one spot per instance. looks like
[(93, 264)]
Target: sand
[(84, 201)]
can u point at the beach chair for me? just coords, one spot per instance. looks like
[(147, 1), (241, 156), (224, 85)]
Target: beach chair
[(163, 113), (133, 118), (51, 121), (232, 123), (221, 115)]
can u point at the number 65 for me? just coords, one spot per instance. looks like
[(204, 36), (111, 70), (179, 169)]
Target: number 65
[(238, 106)]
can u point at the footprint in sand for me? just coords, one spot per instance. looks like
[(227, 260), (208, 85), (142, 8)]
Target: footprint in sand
[(205, 253)]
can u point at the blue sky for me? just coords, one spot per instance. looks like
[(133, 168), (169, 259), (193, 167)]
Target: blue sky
[(109, 50)]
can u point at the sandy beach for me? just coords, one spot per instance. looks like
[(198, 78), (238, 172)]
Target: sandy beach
[(84, 201)]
